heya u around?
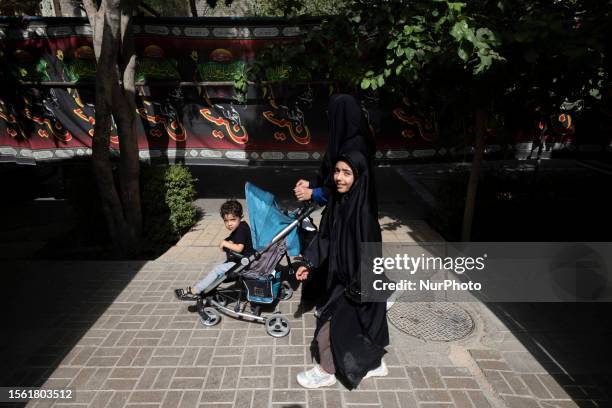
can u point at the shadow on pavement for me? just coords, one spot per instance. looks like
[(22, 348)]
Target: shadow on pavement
[(570, 340), (47, 307)]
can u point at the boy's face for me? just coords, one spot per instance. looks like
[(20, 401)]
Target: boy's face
[(343, 177), (231, 221)]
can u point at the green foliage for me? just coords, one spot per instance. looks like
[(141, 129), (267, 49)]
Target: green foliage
[(498, 55), (180, 193), (292, 8), (393, 44), (167, 194)]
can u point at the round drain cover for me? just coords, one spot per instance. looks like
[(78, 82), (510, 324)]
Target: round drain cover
[(431, 321)]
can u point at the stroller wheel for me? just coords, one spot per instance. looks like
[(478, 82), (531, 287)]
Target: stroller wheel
[(209, 316), (277, 326), (286, 291)]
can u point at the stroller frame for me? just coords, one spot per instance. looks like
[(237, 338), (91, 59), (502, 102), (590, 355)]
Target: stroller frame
[(210, 304)]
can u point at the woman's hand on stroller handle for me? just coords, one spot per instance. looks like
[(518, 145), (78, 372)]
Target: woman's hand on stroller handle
[(302, 273)]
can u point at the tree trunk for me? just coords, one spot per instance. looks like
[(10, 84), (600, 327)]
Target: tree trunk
[(121, 205), (194, 9), (470, 199)]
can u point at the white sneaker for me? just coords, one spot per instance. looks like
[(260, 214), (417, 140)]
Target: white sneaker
[(315, 378), (381, 371)]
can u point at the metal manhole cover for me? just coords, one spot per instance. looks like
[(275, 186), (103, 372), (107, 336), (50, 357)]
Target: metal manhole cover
[(431, 321)]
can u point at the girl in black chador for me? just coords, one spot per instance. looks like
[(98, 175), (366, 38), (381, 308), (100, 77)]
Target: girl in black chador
[(351, 335)]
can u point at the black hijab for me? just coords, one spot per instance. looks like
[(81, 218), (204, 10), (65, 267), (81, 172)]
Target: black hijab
[(348, 130), (350, 220)]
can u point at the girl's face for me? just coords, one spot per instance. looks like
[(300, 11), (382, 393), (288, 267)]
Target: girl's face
[(343, 177)]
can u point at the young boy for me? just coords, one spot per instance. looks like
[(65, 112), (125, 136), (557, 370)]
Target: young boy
[(239, 241)]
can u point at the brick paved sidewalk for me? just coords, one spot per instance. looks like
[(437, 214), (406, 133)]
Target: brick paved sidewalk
[(115, 333), (128, 342)]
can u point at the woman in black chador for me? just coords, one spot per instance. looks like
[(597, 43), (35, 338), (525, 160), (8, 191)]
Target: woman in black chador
[(348, 130), (351, 335)]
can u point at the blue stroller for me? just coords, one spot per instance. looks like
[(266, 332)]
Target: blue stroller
[(275, 236)]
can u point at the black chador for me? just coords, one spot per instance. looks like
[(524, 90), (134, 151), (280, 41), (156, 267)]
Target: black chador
[(358, 330), (348, 130)]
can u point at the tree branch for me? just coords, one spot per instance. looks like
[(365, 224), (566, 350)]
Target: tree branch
[(91, 10)]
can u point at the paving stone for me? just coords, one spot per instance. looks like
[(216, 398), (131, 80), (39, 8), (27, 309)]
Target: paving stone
[(261, 398), (485, 354), (214, 378), (461, 383), (416, 377), (478, 399), (172, 399), (520, 402), (461, 399), (407, 400), (147, 378), (281, 378), (122, 384), (243, 399), (363, 397), (454, 372), (392, 384), (147, 396), (553, 386), (230, 377), (516, 384), (217, 396), (288, 396), (164, 377), (432, 396), (254, 382), (432, 377), (190, 399), (256, 371), (498, 382)]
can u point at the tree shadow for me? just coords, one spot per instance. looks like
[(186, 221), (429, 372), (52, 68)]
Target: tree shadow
[(47, 308)]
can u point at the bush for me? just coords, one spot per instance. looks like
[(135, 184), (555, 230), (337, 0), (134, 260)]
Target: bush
[(168, 212)]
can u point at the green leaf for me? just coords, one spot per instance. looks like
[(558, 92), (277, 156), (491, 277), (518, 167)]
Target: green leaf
[(462, 54), (381, 80), (459, 29), (456, 7), (365, 83)]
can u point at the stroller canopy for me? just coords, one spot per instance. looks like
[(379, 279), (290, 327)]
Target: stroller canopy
[(267, 219)]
